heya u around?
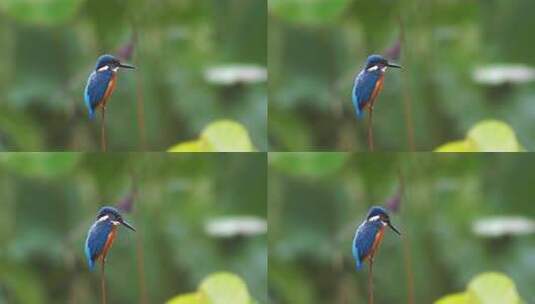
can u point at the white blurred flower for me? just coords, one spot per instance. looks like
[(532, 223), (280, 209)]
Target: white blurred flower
[(500, 74), (226, 227), (503, 225), (235, 73)]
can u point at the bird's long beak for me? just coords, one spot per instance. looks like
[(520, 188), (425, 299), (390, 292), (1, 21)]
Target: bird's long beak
[(125, 223), (126, 66), (393, 65), (393, 228)]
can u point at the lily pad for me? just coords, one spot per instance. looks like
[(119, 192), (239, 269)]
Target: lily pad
[(189, 298), (486, 288), (485, 136), (493, 288), (224, 288), (219, 136)]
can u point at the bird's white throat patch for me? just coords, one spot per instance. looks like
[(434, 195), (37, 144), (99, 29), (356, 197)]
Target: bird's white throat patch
[(373, 218), (116, 223), (103, 218), (384, 69)]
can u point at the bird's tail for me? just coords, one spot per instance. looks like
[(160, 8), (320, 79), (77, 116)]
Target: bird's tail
[(359, 112), (91, 114), (358, 264), (91, 264)]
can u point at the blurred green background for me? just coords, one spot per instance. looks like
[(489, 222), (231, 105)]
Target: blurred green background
[(316, 48), (317, 200), (48, 49), (50, 200)]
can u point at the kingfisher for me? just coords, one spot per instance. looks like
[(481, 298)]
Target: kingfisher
[(101, 83), (369, 235), (369, 82), (102, 234)]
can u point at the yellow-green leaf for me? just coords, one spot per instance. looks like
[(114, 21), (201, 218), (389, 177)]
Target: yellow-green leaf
[(493, 135), (457, 298), (189, 298), (493, 288), (190, 146), (227, 136), (219, 136), (485, 136), (224, 288), (457, 146)]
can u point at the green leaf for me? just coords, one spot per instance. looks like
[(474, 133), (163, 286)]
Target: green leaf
[(189, 298), (308, 164), (308, 11), (457, 298), (227, 136), (40, 164), (493, 135), (486, 288), (493, 288), (45, 12), (485, 136), (223, 288), (191, 146), (219, 136), (457, 146)]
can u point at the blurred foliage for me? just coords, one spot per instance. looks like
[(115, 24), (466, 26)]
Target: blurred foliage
[(219, 288), (48, 48), (485, 136), (49, 201), (313, 218), (486, 288), (219, 136), (316, 48)]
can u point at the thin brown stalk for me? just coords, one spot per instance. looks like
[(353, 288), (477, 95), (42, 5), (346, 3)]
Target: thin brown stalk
[(370, 129), (103, 283), (103, 130), (370, 282)]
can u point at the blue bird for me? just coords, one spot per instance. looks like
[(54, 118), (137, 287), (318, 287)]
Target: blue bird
[(101, 83), (369, 235), (102, 234), (369, 82)]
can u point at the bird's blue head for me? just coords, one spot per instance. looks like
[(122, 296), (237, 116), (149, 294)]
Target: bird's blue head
[(378, 62), (377, 213), (113, 215), (110, 62)]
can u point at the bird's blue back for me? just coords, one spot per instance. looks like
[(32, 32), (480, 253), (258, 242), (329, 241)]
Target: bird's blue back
[(364, 239), (96, 87), (96, 239), (363, 87)]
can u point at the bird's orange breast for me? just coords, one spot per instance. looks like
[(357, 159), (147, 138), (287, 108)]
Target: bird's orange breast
[(376, 243), (377, 89), (110, 89), (109, 242)]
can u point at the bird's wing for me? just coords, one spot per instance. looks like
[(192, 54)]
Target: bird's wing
[(364, 239), (96, 87), (96, 240), (363, 88)]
